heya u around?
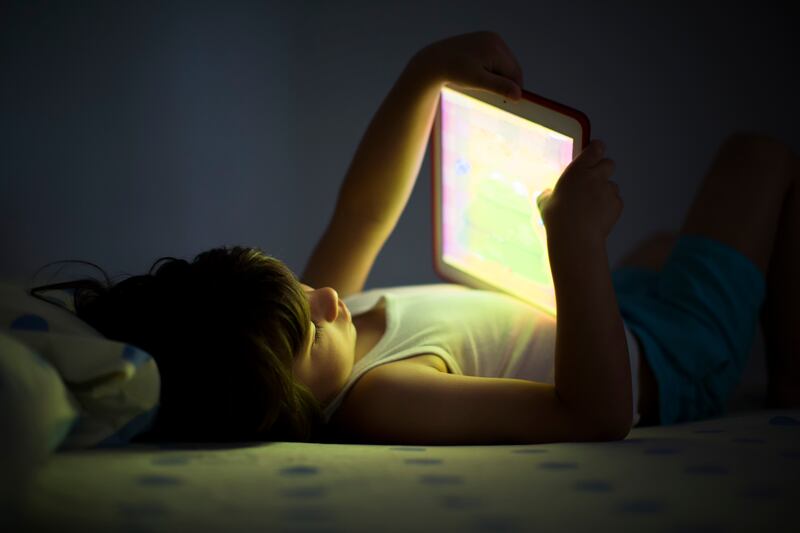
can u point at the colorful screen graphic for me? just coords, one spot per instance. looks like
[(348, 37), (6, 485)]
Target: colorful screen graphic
[(494, 165)]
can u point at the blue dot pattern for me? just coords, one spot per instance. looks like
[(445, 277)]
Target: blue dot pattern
[(784, 421), (299, 471), (657, 482), (30, 323), (159, 481), (134, 355)]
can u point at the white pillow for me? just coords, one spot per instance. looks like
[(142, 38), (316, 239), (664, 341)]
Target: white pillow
[(36, 411), (114, 386), (18, 309)]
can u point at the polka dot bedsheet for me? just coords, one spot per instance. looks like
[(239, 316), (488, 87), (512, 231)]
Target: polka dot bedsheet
[(735, 473)]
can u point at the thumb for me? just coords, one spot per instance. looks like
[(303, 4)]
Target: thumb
[(543, 197)]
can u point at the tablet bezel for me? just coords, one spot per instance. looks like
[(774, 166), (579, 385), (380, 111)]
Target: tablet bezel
[(548, 113)]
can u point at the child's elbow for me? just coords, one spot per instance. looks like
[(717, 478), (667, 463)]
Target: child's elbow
[(619, 435), (609, 429), (615, 432)]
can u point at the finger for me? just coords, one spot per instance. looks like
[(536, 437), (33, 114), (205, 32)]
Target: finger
[(501, 61), (614, 187), (604, 168), (592, 154), (543, 198), (511, 75), (515, 70), (501, 85)]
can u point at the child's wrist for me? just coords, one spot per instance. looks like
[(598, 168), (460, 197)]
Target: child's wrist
[(573, 245), (421, 69)]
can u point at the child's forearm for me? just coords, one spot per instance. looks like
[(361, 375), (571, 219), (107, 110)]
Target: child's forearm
[(592, 370), (386, 164)]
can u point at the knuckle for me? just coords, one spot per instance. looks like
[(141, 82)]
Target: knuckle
[(603, 168), (599, 146)]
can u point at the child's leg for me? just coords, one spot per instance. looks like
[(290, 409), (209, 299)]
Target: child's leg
[(651, 253), (748, 200)]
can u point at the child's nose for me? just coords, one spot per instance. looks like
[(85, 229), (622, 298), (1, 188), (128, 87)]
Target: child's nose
[(328, 301)]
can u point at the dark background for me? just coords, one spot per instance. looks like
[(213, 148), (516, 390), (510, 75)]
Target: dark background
[(130, 131)]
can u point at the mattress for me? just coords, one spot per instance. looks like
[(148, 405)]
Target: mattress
[(735, 473)]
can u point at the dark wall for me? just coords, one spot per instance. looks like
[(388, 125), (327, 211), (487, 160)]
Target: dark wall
[(134, 130)]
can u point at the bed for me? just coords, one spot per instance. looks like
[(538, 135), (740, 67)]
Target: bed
[(739, 472)]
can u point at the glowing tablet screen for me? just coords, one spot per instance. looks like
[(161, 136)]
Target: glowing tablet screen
[(494, 165)]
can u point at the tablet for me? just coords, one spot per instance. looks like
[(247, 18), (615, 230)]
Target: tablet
[(491, 157)]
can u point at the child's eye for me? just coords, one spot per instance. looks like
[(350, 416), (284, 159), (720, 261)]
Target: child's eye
[(317, 332)]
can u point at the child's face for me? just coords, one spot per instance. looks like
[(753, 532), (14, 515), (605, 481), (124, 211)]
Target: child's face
[(324, 365)]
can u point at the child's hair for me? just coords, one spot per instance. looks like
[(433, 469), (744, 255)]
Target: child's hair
[(223, 331)]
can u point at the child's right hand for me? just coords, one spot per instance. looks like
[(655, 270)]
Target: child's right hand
[(585, 205), (480, 60)]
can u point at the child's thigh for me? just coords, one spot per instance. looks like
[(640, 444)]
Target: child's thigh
[(739, 202)]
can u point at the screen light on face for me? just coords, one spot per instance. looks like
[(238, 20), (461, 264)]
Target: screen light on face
[(494, 165)]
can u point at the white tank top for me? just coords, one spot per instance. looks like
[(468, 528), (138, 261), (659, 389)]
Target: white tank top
[(475, 332)]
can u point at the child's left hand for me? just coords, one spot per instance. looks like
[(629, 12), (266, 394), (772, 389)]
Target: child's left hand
[(480, 60)]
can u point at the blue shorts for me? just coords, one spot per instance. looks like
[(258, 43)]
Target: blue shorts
[(696, 322)]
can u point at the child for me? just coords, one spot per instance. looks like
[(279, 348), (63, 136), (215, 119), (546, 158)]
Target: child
[(247, 352)]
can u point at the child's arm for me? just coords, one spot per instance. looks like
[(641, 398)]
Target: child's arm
[(591, 397), (592, 369), (387, 162)]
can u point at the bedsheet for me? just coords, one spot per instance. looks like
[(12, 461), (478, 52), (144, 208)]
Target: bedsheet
[(735, 473)]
